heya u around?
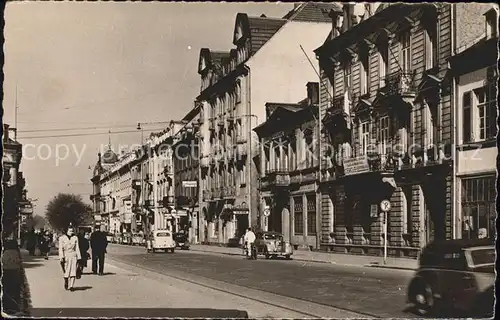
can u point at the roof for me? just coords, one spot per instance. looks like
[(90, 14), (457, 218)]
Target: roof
[(280, 113), (109, 157), (459, 244), (261, 30), (312, 12)]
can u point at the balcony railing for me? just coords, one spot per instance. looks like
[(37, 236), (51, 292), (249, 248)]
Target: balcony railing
[(207, 195), (400, 83), (240, 139), (216, 193), (278, 178)]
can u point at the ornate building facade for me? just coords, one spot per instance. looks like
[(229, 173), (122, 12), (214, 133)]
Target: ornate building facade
[(289, 163), (387, 126), (266, 64)]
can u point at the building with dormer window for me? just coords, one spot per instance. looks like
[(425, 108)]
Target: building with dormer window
[(266, 64), (387, 125)]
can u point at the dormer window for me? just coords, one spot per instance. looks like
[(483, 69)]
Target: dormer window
[(491, 23)]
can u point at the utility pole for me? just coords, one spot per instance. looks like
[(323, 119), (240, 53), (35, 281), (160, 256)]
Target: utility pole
[(15, 117)]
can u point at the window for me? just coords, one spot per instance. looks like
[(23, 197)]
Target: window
[(478, 207), (238, 92), (487, 113), (293, 154), (311, 215), (431, 46), (277, 155), (383, 124), (284, 162), (365, 72), (298, 220), (383, 65), (267, 158), (243, 177), (467, 119), (347, 75), (309, 150), (406, 52), (364, 136)]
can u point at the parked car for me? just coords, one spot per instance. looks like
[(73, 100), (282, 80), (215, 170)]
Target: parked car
[(109, 237), (455, 275), (126, 238), (181, 240), (271, 245), (138, 239), (162, 240)]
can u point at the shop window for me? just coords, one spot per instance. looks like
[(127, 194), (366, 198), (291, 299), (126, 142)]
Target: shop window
[(311, 215), (298, 217), (478, 207)]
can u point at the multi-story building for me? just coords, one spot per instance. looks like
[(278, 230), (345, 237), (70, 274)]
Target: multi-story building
[(268, 63), (162, 171), (289, 161), (16, 208), (387, 123), (186, 174), (475, 72)]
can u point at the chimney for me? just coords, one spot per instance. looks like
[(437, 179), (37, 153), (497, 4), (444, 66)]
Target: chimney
[(5, 132), (313, 93), (491, 23)]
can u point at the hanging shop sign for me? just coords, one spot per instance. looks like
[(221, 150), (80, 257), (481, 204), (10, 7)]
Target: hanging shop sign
[(356, 165)]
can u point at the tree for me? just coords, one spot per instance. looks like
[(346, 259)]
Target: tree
[(67, 209), (36, 222)]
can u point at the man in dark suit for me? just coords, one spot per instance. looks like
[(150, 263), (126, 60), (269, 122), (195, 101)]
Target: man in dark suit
[(98, 244)]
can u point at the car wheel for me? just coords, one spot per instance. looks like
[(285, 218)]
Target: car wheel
[(172, 250), (288, 257), (154, 250), (424, 299), (267, 254)]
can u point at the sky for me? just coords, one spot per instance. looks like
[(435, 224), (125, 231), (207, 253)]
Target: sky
[(95, 67)]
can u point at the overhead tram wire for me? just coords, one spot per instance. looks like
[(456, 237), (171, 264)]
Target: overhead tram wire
[(85, 128), (83, 134)]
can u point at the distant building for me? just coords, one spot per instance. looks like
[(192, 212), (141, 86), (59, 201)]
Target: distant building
[(16, 208), (266, 64), (185, 151), (289, 167)]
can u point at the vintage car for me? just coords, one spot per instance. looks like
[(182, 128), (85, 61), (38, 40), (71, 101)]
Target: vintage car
[(181, 240), (161, 240), (455, 276), (109, 237), (271, 245), (138, 239)]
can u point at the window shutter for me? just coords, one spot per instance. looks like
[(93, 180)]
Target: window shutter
[(467, 117)]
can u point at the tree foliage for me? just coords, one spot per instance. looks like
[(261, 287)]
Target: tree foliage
[(36, 222), (67, 209)]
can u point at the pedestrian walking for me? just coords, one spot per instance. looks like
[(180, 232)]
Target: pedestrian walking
[(69, 254), (249, 241), (44, 244), (98, 244), (83, 242), (31, 242)]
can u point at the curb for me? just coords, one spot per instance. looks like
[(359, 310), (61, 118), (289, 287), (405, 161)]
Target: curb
[(369, 265)]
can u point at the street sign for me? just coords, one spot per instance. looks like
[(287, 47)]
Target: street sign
[(190, 184), (267, 212), (385, 205)]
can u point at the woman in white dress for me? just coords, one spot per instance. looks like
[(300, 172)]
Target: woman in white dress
[(69, 254)]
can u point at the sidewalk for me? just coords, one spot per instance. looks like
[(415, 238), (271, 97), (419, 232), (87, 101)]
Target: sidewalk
[(128, 292), (325, 257)]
